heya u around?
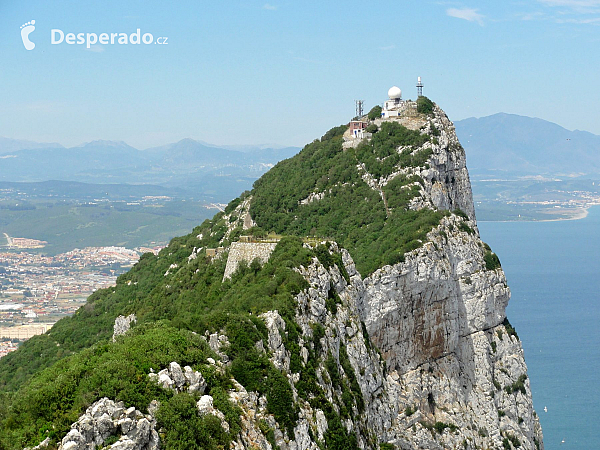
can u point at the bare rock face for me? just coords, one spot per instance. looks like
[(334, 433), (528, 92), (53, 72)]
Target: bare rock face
[(447, 182), (451, 374), (122, 325), (438, 319), (106, 419)]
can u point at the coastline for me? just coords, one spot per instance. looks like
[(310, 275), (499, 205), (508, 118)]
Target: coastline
[(572, 214), (577, 214)]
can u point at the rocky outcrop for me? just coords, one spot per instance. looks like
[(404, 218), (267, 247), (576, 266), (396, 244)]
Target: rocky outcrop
[(437, 318), (178, 380), (106, 421), (122, 325), (447, 183)]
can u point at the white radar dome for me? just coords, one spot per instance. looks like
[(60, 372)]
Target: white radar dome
[(394, 92)]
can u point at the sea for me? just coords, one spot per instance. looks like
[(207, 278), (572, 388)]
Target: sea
[(553, 271)]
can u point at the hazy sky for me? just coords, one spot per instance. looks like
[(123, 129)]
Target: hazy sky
[(283, 72)]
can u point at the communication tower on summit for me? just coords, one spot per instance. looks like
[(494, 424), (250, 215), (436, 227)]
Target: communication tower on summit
[(359, 107), (419, 87)]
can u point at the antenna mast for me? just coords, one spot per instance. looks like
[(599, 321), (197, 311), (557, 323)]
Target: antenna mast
[(359, 107), (419, 87)]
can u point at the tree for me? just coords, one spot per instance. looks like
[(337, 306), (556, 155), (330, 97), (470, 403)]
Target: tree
[(375, 112), (424, 105)]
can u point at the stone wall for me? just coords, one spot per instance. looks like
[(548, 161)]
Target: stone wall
[(247, 251)]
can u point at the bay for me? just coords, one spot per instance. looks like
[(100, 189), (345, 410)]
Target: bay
[(553, 271)]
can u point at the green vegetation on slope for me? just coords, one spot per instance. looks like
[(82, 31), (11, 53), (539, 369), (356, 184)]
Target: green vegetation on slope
[(192, 298), (351, 212), (492, 261), (48, 405), (75, 364)]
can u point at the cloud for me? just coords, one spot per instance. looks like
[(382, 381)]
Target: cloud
[(469, 14), (579, 6), (532, 16), (572, 3), (269, 7)]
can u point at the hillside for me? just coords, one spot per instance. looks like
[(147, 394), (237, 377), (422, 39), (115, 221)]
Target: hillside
[(362, 311), (512, 145)]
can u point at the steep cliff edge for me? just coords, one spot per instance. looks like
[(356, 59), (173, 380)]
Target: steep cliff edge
[(379, 321)]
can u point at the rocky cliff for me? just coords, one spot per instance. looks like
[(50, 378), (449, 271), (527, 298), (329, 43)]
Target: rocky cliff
[(415, 353)]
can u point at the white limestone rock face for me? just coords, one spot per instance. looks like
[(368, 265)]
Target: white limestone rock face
[(447, 181), (180, 380), (438, 320), (122, 325)]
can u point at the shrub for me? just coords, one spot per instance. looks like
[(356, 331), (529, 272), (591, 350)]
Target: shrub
[(409, 411), (375, 112), (372, 128), (334, 132), (459, 212), (466, 228), (510, 330), (492, 261), (424, 105), (517, 386), (184, 428), (441, 426)]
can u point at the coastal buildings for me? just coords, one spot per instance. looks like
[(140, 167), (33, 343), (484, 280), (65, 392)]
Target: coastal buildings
[(36, 290)]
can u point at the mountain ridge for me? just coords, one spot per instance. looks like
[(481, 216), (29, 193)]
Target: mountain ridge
[(521, 145), (377, 321)]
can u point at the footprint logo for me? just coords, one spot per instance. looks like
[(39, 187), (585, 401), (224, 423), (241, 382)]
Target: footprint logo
[(26, 30)]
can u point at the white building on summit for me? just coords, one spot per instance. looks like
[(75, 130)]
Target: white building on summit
[(393, 106)]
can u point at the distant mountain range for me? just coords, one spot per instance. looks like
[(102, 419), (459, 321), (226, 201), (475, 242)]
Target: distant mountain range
[(515, 145), (211, 171), (500, 145), (14, 145)]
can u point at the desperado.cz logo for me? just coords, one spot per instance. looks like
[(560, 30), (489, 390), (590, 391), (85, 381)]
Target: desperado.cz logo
[(58, 36), (26, 30)]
